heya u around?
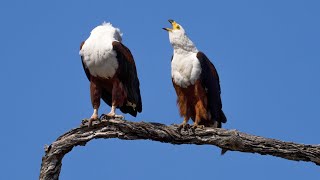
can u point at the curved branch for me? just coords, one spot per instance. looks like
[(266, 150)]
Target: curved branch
[(232, 140)]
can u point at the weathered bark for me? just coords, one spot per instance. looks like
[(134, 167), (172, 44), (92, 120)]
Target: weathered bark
[(232, 140)]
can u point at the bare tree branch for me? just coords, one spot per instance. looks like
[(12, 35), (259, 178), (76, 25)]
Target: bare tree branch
[(232, 140)]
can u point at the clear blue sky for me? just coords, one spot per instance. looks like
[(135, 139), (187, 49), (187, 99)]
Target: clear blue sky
[(266, 52)]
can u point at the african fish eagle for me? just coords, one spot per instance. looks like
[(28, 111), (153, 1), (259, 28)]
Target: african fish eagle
[(111, 70), (196, 82)]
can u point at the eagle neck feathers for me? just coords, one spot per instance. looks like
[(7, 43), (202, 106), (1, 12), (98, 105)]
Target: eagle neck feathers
[(185, 66)]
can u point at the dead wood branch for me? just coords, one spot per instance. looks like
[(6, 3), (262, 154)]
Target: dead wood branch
[(232, 140)]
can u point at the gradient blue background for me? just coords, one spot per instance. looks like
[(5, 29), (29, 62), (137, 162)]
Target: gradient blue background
[(266, 52)]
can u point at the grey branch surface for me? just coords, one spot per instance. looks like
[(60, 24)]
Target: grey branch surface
[(232, 140)]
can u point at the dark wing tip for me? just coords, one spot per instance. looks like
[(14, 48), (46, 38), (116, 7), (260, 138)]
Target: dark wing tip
[(129, 77)]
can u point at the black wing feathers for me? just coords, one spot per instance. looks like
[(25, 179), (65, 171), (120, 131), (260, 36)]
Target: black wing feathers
[(127, 74), (210, 80)]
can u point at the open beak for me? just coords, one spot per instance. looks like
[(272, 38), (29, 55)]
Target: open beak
[(172, 22), (167, 29)]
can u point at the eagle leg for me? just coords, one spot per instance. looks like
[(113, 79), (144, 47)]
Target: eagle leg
[(118, 97), (112, 113), (95, 94), (199, 109)]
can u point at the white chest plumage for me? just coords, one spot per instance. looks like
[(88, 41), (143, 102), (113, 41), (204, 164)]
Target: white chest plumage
[(185, 69)]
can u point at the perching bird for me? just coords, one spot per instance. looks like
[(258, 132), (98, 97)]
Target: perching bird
[(196, 82), (111, 70)]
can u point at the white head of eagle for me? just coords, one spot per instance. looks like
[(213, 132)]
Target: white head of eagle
[(179, 39)]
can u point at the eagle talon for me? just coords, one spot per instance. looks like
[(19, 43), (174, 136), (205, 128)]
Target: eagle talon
[(119, 116), (184, 126), (201, 126), (105, 117), (84, 121), (91, 120), (102, 117), (194, 127), (90, 123), (113, 115)]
